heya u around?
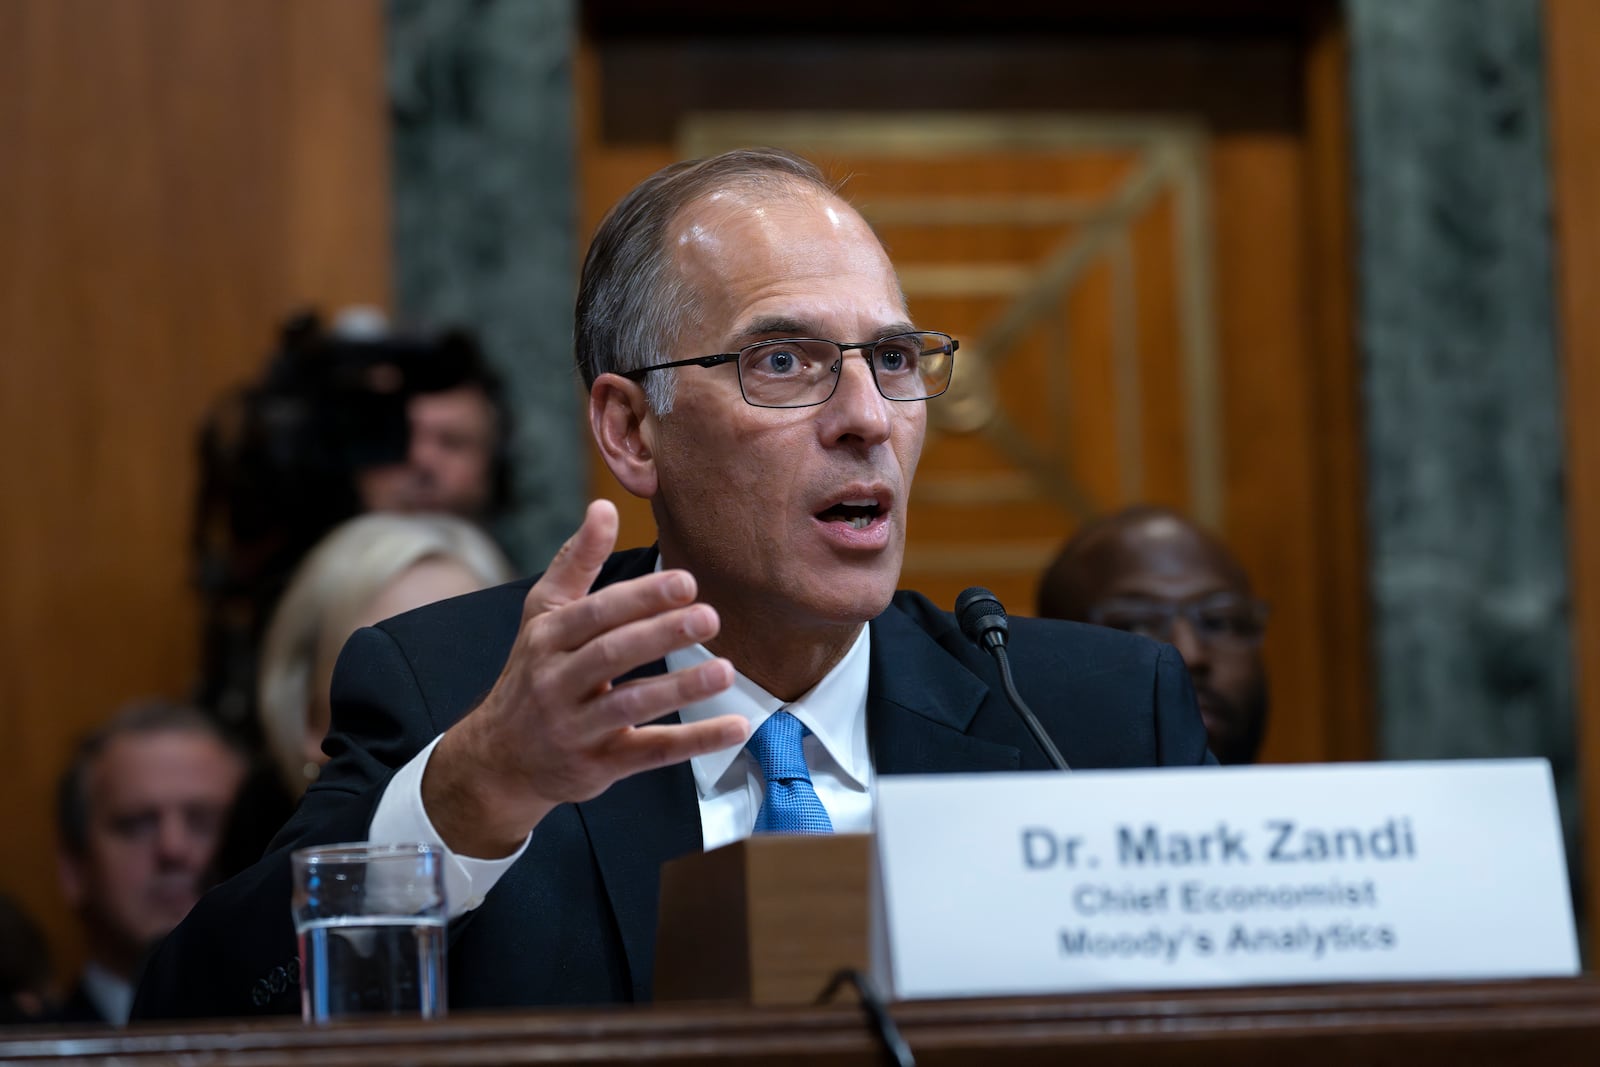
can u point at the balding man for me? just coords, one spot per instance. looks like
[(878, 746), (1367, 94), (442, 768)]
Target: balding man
[(140, 812), (1152, 571), (755, 374)]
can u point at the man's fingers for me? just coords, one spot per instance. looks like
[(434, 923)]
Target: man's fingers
[(649, 747), (645, 699), (577, 564), (619, 650), (571, 626)]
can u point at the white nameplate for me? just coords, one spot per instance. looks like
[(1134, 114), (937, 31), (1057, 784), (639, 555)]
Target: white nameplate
[(997, 884)]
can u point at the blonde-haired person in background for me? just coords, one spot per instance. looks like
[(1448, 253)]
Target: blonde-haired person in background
[(366, 570)]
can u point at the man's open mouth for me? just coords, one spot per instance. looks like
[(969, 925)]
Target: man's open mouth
[(859, 514)]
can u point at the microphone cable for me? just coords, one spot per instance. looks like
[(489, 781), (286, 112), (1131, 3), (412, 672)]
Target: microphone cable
[(895, 1048), (983, 621)]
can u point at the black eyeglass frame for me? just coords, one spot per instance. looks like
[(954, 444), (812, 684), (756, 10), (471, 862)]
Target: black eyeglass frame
[(1258, 612), (720, 358)]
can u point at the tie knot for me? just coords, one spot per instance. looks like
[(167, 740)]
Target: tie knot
[(777, 747)]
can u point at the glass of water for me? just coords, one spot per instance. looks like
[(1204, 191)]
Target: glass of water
[(371, 923)]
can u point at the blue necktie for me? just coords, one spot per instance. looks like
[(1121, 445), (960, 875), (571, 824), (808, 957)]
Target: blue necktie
[(790, 805)]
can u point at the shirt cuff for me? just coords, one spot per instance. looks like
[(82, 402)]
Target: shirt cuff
[(400, 818)]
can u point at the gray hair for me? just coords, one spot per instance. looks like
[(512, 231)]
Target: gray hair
[(632, 304), (139, 718), (327, 595)]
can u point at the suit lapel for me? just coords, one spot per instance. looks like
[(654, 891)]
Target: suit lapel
[(640, 823), (634, 827), (921, 703)]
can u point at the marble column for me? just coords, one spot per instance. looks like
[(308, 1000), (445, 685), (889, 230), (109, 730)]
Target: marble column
[(1462, 383), (484, 218)]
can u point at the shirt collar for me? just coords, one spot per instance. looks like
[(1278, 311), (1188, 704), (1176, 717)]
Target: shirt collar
[(835, 710), (112, 995)]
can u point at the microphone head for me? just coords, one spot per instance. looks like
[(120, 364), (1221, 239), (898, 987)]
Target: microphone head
[(981, 617)]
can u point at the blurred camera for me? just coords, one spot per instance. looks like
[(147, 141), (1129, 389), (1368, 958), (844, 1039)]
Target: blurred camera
[(279, 461)]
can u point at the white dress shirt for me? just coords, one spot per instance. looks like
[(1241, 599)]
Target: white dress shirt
[(112, 996), (728, 783)]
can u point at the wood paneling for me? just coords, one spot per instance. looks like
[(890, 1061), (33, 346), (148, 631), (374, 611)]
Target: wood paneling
[(1571, 28), (1339, 502), (175, 176)]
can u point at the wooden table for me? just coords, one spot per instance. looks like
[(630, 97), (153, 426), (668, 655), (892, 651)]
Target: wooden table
[(1540, 1022)]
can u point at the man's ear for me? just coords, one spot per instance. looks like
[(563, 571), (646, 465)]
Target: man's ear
[(623, 428)]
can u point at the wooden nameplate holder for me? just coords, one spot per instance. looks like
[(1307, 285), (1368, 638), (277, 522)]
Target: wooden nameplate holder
[(763, 921)]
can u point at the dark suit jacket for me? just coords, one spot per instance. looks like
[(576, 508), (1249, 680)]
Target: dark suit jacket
[(573, 921), (77, 1010)]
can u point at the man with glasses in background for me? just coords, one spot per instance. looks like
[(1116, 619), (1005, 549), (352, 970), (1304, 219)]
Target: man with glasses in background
[(1151, 571), (754, 373)]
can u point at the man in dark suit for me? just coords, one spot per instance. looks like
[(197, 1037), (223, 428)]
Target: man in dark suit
[(1152, 571), (754, 374), (139, 812)]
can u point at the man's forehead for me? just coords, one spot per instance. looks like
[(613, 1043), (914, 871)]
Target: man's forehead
[(467, 398), (774, 195), (1165, 556), (736, 210), (138, 759), (741, 250)]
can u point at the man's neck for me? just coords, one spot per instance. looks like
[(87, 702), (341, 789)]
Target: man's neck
[(786, 664), (766, 645), (113, 955)]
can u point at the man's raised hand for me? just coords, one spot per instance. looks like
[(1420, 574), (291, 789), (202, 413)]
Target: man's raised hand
[(554, 728)]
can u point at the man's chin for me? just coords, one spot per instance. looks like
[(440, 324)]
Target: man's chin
[(857, 590), (1221, 728), (868, 594), (167, 913)]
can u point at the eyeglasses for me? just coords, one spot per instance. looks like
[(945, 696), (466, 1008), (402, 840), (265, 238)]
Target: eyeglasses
[(801, 372), (1221, 620)]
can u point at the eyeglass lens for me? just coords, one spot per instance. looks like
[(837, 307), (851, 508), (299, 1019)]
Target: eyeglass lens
[(1229, 621), (797, 373)]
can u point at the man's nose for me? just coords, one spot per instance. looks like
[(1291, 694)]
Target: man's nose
[(857, 410), (1191, 646), (422, 451), (176, 842)]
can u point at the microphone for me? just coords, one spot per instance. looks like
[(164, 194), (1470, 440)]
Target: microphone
[(983, 621)]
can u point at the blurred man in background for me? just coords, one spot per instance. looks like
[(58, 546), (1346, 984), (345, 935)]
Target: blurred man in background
[(1151, 571), (450, 460), (140, 811)]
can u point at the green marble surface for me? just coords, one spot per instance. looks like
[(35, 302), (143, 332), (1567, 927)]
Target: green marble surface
[(1462, 383), (484, 223)]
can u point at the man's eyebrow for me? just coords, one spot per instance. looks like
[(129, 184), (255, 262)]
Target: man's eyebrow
[(774, 324), (890, 330), (783, 325)]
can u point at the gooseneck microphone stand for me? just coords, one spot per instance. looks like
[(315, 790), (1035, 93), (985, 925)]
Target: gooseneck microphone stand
[(983, 620)]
